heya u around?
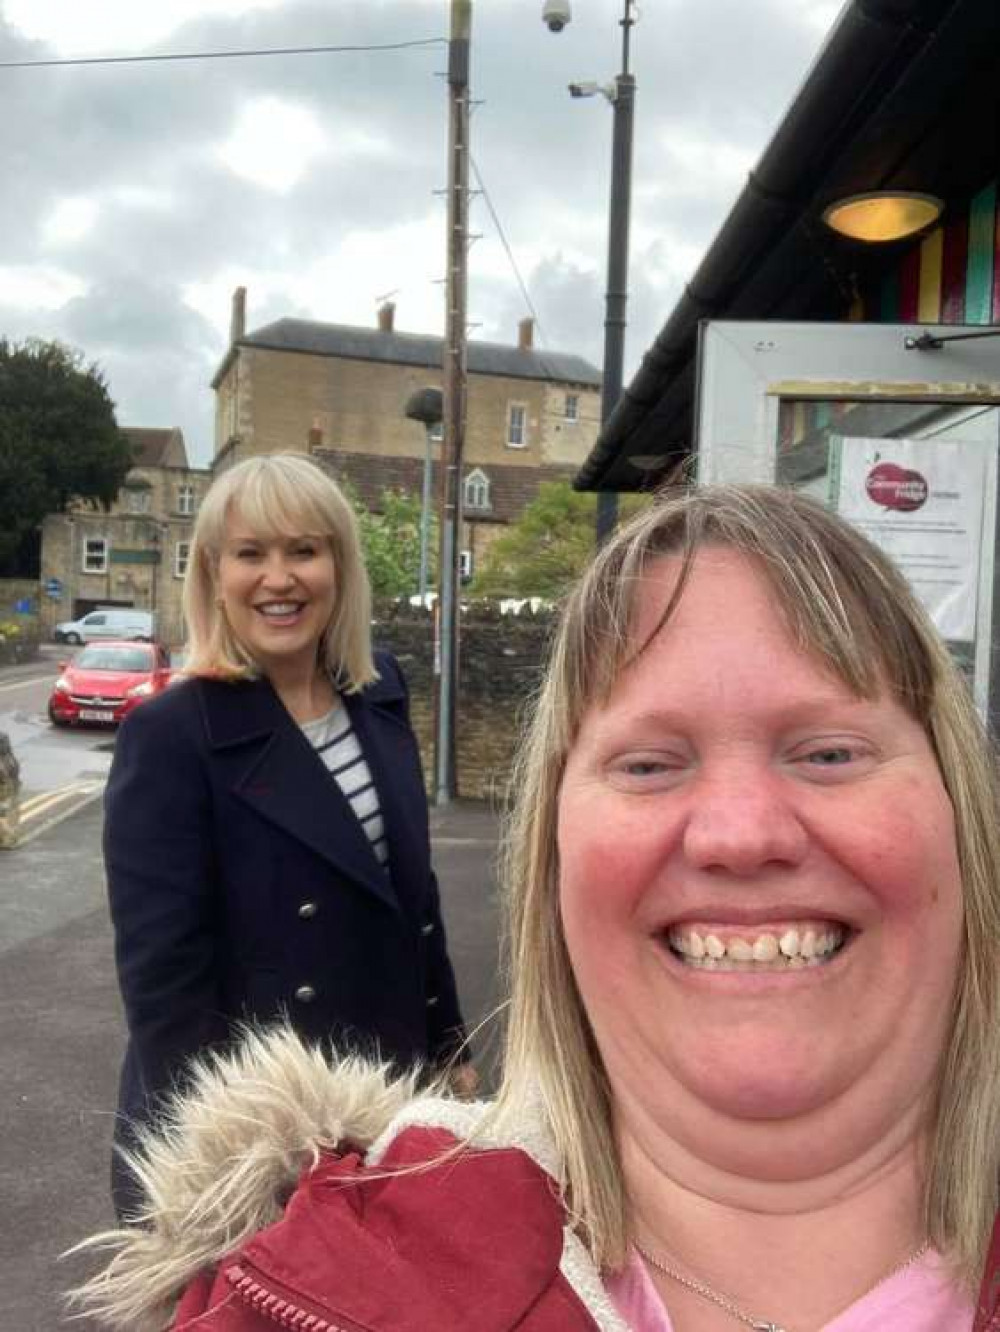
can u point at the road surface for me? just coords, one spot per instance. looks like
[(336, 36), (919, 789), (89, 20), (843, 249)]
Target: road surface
[(61, 770)]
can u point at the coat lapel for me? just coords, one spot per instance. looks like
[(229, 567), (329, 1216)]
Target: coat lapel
[(270, 765), (378, 715)]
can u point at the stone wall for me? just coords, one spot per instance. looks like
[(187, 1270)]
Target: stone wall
[(501, 660), (10, 793), (13, 590), (19, 631), (270, 400)]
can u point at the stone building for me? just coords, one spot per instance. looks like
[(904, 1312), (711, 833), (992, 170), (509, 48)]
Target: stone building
[(136, 553), (340, 393)]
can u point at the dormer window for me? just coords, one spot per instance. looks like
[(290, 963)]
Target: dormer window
[(476, 490)]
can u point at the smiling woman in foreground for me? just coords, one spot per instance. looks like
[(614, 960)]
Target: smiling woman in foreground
[(754, 1032)]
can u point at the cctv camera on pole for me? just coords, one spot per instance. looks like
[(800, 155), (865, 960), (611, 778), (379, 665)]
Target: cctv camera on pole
[(556, 14)]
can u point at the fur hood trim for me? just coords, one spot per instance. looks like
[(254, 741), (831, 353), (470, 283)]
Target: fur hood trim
[(222, 1162)]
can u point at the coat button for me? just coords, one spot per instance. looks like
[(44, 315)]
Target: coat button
[(305, 994), (308, 909), (432, 1001), (427, 929)]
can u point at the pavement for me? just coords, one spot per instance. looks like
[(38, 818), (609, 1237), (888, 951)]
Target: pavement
[(61, 1033)]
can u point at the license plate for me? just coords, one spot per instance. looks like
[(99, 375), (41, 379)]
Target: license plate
[(96, 714)]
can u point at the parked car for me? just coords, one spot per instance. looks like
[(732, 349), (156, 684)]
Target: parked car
[(113, 622), (178, 665), (105, 681)]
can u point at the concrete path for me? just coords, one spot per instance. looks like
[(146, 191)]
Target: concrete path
[(61, 1037)]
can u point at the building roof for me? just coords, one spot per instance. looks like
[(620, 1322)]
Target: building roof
[(392, 348), (156, 446), (511, 487), (905, 94)]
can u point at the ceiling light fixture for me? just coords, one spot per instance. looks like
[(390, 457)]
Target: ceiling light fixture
[(883, 215)]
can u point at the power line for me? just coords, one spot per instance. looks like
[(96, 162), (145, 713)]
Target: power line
[(510, 253), (220, 55)]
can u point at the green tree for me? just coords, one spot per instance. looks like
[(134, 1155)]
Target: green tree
[(548, 546), (59, 440), (390, 538)]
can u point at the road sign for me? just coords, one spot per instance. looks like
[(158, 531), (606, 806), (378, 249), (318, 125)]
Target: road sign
[(53, 588)]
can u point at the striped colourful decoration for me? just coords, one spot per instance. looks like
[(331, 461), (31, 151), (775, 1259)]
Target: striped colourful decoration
[(949, 276)]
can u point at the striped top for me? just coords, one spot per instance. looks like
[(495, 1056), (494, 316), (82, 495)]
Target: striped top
[(335, 741)]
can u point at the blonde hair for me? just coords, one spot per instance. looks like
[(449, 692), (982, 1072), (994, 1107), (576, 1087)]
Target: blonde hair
[(281, 494), (847, 605)]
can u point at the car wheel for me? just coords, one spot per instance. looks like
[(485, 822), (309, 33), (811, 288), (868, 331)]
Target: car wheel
[(75, 639), (55, 719)]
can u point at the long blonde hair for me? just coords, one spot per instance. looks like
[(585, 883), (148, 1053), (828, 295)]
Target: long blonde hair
[(278, 495), (849, 606)]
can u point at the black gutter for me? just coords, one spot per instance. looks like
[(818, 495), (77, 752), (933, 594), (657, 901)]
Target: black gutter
[(872, 45)]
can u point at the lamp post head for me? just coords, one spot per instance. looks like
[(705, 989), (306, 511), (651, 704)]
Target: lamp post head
[(426, 405), (556, 14)]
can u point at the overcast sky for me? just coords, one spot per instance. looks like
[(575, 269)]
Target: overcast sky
[(136, 197)]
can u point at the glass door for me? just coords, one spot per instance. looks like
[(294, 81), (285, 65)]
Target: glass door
[(900, 436)]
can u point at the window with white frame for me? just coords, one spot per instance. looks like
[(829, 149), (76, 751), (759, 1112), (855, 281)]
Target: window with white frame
[(185, 500), (476, 490), (465, 565), (95, 555), (571, 409), (138, 501), (517, 425), (182, 551)]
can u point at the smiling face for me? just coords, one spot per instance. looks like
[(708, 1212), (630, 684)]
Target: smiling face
[(278, 594), (759, 883)]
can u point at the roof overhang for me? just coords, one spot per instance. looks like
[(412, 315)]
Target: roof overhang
[(905, 94)]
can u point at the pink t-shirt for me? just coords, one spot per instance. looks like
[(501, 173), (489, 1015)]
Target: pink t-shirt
[(921, 1298)]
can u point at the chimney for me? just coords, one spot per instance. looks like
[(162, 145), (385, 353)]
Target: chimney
[(525, 334), (315, 435), (386, 316), (238, 319)]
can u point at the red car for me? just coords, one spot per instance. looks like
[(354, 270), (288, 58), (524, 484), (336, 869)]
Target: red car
[(106, 680)]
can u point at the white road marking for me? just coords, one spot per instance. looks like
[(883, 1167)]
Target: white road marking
[(34, 681), (43, 811)]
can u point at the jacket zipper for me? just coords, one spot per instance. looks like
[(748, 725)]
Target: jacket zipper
[(281, 1311)]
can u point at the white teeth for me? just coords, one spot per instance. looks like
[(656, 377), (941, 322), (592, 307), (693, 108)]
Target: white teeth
[(789, 943), (279, 608), (765, 948), (794, 947)]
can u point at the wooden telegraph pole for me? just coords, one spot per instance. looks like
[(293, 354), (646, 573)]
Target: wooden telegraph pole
[(454, 376)]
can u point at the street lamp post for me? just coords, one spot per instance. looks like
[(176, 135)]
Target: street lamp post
[(621, 95), (427, 407)]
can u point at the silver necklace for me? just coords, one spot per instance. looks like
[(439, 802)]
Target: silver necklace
[(730, 1306)]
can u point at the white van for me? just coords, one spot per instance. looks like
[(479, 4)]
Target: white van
[(113, 622)]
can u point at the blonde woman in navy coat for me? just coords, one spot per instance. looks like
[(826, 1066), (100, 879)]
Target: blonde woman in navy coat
[(266, 831)]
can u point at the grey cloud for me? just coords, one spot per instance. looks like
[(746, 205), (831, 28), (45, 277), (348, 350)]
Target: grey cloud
[(712, 69)]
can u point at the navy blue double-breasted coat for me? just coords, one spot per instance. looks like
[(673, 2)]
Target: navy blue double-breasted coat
[(243, 887)]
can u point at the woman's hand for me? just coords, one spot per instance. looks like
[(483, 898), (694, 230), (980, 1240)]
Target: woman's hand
[(464, 1081)]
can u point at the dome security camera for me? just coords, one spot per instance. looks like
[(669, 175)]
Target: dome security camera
[(556, 14)]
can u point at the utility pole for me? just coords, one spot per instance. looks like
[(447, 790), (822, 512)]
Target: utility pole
[(446, 644)]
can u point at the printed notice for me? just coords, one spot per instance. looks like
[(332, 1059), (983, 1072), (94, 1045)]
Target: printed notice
[(921, 501)]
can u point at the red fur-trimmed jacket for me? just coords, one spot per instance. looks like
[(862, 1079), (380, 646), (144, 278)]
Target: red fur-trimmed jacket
[(473, 1243), (261, 1216)]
